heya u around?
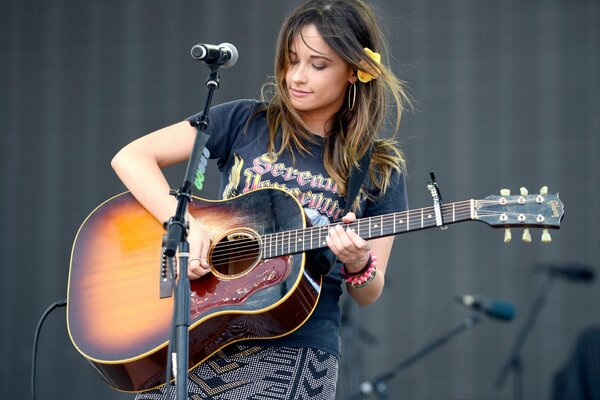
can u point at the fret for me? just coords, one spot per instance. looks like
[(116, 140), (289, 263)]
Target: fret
[(296, 242), (280, 244), (429, 215), (289, 235), (266, 250), (421, 218)]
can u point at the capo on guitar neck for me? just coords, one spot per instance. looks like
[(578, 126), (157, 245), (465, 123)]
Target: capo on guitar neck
[(437, 201)]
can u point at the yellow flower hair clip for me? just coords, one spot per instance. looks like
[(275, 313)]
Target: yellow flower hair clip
[(365, 76)]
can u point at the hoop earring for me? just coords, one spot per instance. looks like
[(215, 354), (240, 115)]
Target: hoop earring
[(351, 97)]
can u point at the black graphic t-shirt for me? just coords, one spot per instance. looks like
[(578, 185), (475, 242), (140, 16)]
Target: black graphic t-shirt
[(240, 149)]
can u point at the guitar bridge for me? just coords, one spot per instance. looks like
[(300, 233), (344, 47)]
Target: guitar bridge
[(166, 272)]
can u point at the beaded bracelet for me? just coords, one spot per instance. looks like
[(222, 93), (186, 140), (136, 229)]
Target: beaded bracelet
[(364, 277)]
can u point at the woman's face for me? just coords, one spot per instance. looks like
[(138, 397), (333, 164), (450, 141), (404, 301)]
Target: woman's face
[(317, 77)]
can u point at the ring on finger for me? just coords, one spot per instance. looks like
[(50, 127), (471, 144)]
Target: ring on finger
[(194, 259)]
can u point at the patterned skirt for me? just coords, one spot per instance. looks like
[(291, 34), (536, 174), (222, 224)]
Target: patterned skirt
[(259, 373)]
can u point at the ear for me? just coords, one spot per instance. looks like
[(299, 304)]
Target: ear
[(352, 78)]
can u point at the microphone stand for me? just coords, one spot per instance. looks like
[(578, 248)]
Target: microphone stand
[(176, 238), (514, 363), (379, 386)]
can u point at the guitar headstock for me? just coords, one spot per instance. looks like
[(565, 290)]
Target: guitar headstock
[(543, 210)]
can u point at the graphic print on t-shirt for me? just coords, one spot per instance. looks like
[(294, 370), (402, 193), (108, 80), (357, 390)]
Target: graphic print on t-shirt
[(314, 192)]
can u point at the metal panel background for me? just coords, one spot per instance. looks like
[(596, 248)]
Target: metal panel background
[(507, 95)]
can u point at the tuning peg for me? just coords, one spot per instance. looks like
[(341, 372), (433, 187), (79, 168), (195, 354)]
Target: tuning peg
[(505, 192), (507, 235), (544, 190), (526, 235), (524, 191), (546, 238)]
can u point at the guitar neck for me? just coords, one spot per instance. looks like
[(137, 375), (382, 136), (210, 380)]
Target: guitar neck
[(300, 240)]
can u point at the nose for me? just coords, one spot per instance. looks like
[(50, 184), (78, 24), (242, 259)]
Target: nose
[(298, 73)]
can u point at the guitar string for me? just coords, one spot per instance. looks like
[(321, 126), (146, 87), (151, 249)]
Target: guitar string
[(417, 214), (303, 232), (277, 240), (282, 237), (252, 252), (387, 223)]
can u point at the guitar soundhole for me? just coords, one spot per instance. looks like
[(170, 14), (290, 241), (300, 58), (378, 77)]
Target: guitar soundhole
[(235, 252)]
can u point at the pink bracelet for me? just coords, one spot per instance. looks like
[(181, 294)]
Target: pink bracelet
[(365, 276)]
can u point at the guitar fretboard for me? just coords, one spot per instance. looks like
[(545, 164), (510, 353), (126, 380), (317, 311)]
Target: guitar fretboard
[(299, 240)]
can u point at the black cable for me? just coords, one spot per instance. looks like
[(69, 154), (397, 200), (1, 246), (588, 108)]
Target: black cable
[(59, 303)]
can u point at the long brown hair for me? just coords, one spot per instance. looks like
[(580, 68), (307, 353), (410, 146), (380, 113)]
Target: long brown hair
[(347, 26)]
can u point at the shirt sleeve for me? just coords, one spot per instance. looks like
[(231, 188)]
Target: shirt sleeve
[(394, 199), (225, 123)]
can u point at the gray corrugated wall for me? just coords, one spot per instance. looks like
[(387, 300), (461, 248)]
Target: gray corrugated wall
[(507, 95)]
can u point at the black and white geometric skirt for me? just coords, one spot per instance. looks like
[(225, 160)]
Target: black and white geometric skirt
[(241, 372)]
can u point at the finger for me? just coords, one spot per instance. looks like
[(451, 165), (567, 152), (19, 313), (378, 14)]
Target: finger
[(341, 245), (350, 217), (194, 268), (193, 275), (358, 242), (344, 238), (204, 255), (335, 240)]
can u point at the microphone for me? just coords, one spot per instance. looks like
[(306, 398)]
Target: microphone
[(498, 309), (570, 271), (224, 55)]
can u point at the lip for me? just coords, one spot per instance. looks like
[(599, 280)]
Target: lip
[(298, 92)]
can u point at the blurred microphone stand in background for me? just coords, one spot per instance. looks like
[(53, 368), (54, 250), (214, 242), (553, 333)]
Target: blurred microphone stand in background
[(379, 384), (569, 271)]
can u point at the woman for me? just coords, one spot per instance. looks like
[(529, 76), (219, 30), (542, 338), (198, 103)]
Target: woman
[(327, 104)]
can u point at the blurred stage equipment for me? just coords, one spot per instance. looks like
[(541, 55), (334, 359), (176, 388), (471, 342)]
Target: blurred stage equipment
[(36, 338), (569, 271), (574, 272), (578, 377), (497, 309)]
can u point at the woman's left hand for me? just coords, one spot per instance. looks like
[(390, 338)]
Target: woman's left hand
[(351, 249)]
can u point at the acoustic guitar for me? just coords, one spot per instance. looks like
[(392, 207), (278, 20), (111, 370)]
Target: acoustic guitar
[(259, 285)]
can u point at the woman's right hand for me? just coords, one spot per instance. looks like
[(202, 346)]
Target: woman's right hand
[(199, 245)]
